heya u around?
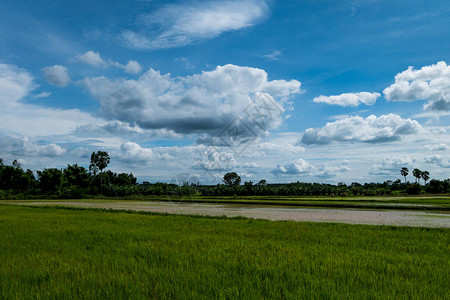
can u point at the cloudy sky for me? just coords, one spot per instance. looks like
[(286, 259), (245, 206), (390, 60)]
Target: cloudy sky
[(316, 90)]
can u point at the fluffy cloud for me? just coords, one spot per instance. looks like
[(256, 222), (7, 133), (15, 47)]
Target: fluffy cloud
[(372, 129), (282, 89), (430, 83), (433, 158), (440, 160), (81, 152), (326, 171), (57, 75), (15, 84), (118, 128), (438, 147), (132, 153), (94, 58), (442, 104), (27, 119), (132, 67), (298, 166), (190, 22), (392, 165), (349, 99), (110, 127), (203, 103), (27, 147), (215, 159), (274, 149)]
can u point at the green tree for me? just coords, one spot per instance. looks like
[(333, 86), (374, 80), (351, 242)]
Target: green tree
[(248, 187), (15, 178), (99, 161), (231, 179), (26, 182), (425, 176), (404, 171), (124, 179), (417, 173), (413, 189), (76, 176), (262, 182), (16, 164), (50, 180)]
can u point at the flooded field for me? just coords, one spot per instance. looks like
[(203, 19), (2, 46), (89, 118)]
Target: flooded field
[(274, 213)]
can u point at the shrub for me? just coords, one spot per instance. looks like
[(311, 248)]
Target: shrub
[(413, 189)]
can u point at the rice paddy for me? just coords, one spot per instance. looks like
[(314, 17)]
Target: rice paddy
[(56, 253)]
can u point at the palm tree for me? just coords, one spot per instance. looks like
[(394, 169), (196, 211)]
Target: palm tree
[(425, 176), (404, 171), (417, 173), (99, 161)]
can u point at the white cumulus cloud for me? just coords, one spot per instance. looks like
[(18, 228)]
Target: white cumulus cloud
[(372, 129), (132, 67), (202, 103), (92, 58), (430, 83), (298, 166), (215, 159), (327, 171), (57, 75), (25, 146), (349, 99), (392, 165), (301, 166), (440, 160), (132, 153)]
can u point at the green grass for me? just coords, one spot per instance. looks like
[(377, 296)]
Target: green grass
[(73, 253)]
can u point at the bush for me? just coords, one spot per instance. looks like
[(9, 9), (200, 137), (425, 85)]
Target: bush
[(73, 192), (413, 189)]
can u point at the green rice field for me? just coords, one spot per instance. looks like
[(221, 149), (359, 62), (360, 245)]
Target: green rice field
[(60, 253)]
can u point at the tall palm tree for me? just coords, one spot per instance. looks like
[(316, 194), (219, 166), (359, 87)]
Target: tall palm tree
[(99, 161), (425, 176), (404, 171), (417, 173)]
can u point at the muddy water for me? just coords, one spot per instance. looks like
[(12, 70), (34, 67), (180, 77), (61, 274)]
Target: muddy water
[(275, 213)]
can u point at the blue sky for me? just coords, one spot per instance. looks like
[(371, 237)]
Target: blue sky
[(358, 89)]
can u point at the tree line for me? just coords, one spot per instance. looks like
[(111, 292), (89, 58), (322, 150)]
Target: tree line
[(73, 182), (232, 186)]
